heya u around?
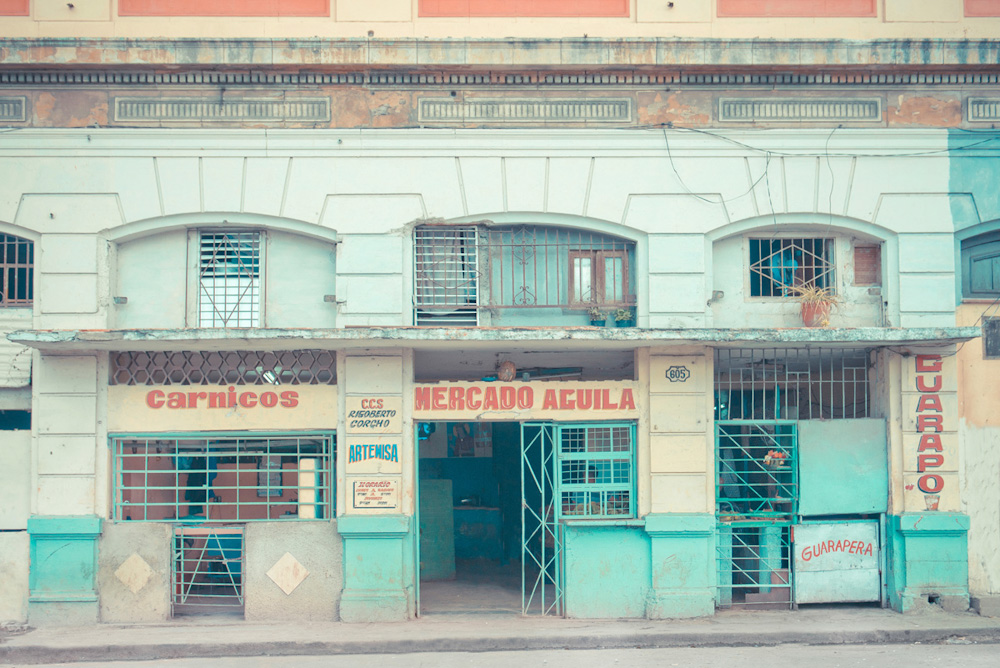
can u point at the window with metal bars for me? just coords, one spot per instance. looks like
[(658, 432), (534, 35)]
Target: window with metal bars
[(778, 266), (207, 570), (231, 367), (596, 471), (229, 285), (462, 271), (223, 477), (794, 383), (17, 261)]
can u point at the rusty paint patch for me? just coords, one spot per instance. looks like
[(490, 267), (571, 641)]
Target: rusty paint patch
[(923, 110), (70, 110), (658, 108)]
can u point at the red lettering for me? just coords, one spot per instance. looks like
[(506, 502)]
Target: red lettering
[(508, 397), (289, 399), (456, 399), (154, 399), (930, 483), (868, 550), (928, 363), (193, 398), (584, 399), (566, 401), (550, 400), (929, 402), (923, 387), (925, 462), (439, 399), (421, 398), (232, 397), (216, 399), (473, 404), (628, 403), (930, 442), (176, 400), (928, 422), (807, 554), (248, 399), (269, 400), (490, 399), (371, 403), (606, 400), (525, 397)]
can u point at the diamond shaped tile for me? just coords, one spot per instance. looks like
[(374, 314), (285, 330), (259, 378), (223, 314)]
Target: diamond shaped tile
[(134, 573), (287, 573)]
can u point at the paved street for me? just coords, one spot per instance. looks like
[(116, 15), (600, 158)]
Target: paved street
[(784, 656)]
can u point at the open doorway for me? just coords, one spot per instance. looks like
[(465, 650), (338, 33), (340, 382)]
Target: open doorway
[(470, 517)]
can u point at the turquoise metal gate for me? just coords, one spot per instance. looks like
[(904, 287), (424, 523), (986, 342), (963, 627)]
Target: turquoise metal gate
[(541, 538)]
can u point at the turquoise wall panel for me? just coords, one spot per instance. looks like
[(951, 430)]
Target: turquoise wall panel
[(607, 571), (843, 467), (62, 571), (928, 560), (378, 568), (682, 563)]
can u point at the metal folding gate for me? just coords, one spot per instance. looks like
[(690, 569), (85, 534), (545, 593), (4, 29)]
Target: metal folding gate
[(541, 538)]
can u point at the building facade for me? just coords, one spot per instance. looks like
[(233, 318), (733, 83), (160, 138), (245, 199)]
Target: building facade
[(309, 317)]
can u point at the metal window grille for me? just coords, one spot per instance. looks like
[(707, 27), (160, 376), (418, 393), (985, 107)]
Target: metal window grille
[(17, 257), (223, 477), (447, 276), (778, 265), (757, 466), (207, 569), (753, 563), (596, 467), (229, 285), (243, 367), (794, 383), (460, 270)]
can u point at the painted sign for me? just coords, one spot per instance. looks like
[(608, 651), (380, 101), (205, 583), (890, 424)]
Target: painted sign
[(139, 408), (930, 424), (677, 374), (376, 493), (373, 454), (374, 415), (836, 562), (553, 400)]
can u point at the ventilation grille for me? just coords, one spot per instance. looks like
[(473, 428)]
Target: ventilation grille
[(12, 109), (447, 110), (243, 367), (200, 109), (799, 110), (984, 109)]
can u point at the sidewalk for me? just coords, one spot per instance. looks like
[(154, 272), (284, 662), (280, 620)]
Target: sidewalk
[(204, 637)]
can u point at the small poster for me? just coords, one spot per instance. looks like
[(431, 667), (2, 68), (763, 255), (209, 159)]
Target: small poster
[(376, 493)]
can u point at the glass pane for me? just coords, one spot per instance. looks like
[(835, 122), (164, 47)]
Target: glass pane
[(582, 279), (614, 279)]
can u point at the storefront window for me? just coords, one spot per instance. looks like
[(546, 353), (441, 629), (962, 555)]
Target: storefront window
[(596, 471)]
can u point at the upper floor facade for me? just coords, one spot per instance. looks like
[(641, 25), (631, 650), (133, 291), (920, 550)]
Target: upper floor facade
[(463, 19), (177, 230)]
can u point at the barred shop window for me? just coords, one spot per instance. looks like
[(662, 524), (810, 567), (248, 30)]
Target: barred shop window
[(17, 261), (991, 338), (596, 465), (461, 271), (778, 265), (226, 478), (229, 284)]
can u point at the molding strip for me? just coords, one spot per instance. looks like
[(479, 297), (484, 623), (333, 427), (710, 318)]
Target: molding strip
[(491, 78), (12, 109), (983, 109), (575, 110), (746, 109), (151, 109)]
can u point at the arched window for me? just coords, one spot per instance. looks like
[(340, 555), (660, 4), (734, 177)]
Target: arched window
[(18, 261), (981, 266), (463, 271)]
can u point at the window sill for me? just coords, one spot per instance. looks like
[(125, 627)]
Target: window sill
[(605, 522)]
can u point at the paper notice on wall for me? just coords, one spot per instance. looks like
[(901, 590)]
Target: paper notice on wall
[(376, 493)]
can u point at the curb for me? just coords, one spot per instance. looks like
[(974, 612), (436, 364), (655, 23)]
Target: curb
[(43, 654)]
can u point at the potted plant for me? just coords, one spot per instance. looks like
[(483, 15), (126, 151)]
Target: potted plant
[(624, 318), (597, 317), (816, 304)]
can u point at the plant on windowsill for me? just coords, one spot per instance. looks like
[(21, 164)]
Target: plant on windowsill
[(597, 317), (624, 318), (816, 303)]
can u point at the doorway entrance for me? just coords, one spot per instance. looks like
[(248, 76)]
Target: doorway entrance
[(470, 502)]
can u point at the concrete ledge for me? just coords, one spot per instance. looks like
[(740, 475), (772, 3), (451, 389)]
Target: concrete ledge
[(986, 606)]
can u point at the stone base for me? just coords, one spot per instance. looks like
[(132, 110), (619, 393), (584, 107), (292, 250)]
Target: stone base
[(373, 606), (681, 604), (987, 606), (63, 613), (921, 602)]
